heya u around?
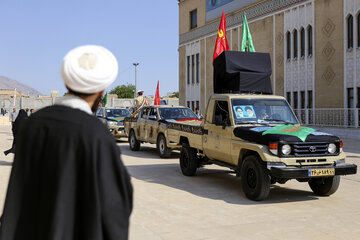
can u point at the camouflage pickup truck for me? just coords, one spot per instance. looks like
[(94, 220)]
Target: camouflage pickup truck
[(151, 126), (260, 138)]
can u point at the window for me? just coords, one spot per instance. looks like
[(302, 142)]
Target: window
[(358, 30), (288, 97), (302, 99), (188, 104), (288, 46), (193, 19), (295, 44), (295, 100), (221, 113), (350, 31), (192, 106), (192, 69), (197, 105), (188, 69), (302, 43), (310, 42), (350, 97), (358, 99), (197, 68), (310, 102)]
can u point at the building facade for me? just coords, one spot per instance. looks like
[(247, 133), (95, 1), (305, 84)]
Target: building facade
[(314, 47)]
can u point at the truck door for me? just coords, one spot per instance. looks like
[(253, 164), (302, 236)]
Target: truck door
[(217, 141), (141, 130), (152, 125)]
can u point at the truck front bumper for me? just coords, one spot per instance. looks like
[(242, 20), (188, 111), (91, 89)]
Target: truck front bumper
[(308, 171)]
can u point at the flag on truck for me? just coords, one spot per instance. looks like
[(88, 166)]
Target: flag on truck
[(246, 41), (221, 41), (105, 98), (157, 95)]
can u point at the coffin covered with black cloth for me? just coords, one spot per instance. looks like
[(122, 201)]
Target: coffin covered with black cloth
[(242, 72)]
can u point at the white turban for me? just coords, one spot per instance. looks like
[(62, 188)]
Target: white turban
[(89, 69)]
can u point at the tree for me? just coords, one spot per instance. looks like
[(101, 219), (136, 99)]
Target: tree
[(124, 91), (176, 94)]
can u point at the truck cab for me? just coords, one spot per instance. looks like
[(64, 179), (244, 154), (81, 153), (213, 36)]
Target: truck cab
[(261, 139)]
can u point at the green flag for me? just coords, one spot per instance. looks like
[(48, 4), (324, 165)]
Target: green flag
[(246, 41), (294, 130), (104, 102)]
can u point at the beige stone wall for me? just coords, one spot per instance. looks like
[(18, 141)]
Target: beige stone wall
[(182, 76), (210, 45), (263, 30), (185, 7), (329, 58), (279, 54), (235, 37)]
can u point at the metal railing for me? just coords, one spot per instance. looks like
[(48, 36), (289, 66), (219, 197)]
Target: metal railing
[(330, 117)]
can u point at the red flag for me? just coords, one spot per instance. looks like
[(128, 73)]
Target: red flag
[(157, 95), (221, 41)]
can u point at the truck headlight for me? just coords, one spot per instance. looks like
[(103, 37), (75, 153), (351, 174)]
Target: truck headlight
[(332, 148), (286, 149)]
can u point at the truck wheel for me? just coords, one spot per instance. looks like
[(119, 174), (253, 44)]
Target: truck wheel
[(254, 178), (133, 142), (324, 186), (188, 161), (164, 151)]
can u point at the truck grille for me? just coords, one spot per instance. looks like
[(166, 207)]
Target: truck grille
[(309, 149)]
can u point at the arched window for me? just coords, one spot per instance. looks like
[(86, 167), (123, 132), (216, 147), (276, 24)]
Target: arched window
[(302, 42), (295, 44), (288, 45), (350, 32), (310, 41), (358, 30)]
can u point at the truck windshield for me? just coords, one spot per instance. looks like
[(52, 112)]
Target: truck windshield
[(117, 113), (176, 113), (274, 111)]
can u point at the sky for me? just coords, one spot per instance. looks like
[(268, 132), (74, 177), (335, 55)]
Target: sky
[(35, 36)]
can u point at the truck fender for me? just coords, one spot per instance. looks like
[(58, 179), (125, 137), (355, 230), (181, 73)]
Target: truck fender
[(184, 140), (242, 155)]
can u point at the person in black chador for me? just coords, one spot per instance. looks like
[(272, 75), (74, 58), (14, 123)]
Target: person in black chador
[(68, 180), (15, 129)]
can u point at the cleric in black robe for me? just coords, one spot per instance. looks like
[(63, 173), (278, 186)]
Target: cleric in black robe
[(68, 181)]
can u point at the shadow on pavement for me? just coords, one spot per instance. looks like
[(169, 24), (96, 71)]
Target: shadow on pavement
[(4, 163), (213, 183), (146, 152)]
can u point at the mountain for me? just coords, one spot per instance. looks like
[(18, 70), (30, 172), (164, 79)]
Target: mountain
[(7, 83)]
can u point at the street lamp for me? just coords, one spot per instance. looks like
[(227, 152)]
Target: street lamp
[(135, 64)]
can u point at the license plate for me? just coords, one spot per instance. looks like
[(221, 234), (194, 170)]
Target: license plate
[(321, 172)]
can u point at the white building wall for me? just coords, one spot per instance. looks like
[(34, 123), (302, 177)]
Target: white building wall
[(351, 56), (193, 89), (299, 72)]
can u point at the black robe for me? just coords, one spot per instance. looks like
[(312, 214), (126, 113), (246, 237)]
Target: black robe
[(67, 181)]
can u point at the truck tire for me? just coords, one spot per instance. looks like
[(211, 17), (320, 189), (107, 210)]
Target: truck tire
[(254, 179), (164, 151), (188, 160), (133, 142), (324, 186)]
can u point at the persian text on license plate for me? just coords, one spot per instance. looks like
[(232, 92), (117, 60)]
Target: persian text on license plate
[(321, 172)]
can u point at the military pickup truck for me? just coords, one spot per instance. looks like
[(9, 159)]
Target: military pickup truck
[(260, 138), (151, 126)]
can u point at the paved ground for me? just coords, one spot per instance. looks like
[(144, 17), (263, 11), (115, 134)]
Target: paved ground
[(211, 205)]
